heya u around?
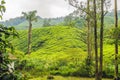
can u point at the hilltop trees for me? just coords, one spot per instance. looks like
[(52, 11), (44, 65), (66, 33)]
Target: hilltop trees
[(69, 21), (46, 22), (30, 17)]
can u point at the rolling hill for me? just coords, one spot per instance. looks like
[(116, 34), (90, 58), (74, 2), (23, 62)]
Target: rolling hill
[(53, 38), (59, 50), (20, 23)]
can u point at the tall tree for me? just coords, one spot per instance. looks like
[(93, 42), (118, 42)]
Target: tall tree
[(104, 4), (89, 44), (30, 17), (95, 12), (116, 40), (95, 40), (101, 40), (81, 9)]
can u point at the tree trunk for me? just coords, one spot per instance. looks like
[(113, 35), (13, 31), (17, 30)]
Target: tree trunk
[(95, 39), (88, 32), (29, 37), (1, 58), (101, 40), (116, 42)]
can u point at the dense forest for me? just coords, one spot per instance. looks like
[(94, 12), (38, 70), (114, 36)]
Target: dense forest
[(83, 45)]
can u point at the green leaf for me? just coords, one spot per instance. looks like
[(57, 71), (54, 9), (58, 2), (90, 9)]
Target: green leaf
[(7, 36), (3, 8), (1, 17), (3, 2), (0, 35)]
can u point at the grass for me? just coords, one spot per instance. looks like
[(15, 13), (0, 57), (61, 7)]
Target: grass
[(65, 78)]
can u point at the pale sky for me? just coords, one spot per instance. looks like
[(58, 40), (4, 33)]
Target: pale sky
[(45, 8)]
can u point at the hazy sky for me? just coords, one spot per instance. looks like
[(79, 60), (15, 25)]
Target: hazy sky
[(45, 8)]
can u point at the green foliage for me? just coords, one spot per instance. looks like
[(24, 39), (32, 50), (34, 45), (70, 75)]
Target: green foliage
[(61, 50), (2, 8), (72, 21), (111, 34), (20, 23), (51, 38), (6, 65), (68, 21), (65, 64), (86, 69), (5, 73), (12, 76), (46, 22), (65, 78), (56, 50), (14, 21), (5, 33), (51, 42), (30, 16), (108, 60), (4, 56)]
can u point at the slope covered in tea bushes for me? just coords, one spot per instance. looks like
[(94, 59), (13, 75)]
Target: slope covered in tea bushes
[(60, 50)]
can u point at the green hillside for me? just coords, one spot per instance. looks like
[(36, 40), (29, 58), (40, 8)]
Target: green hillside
[(60, 50), (80, 43), (20, 23), (39, 23), (52, 38), (24, 25)]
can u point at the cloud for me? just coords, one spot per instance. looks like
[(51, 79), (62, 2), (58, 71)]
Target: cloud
[(45, 8), (112, 4)]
